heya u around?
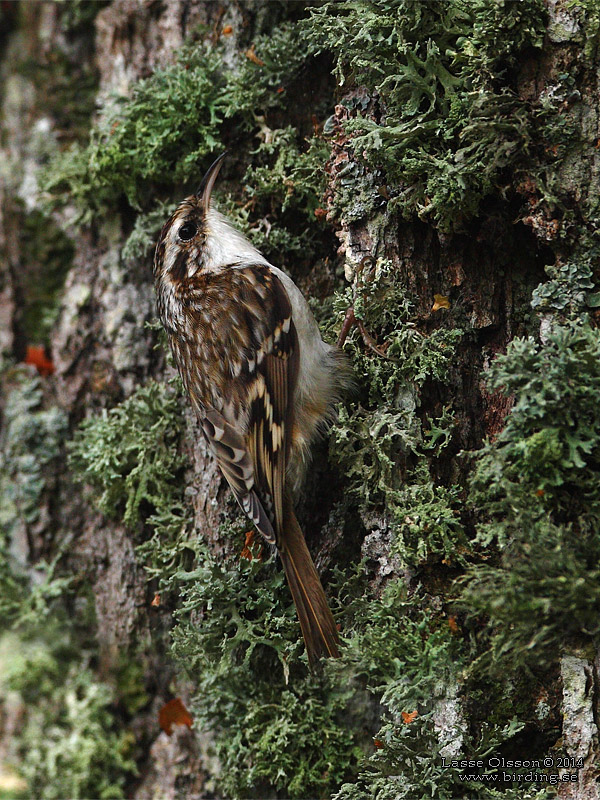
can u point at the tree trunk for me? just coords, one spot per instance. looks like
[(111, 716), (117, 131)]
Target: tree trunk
[(434, 166)]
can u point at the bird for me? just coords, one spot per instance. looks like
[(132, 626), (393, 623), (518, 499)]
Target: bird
[(261, 380)]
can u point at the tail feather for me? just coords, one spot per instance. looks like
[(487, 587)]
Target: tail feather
[(316, 621)]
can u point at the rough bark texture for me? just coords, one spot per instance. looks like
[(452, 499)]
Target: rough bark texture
[(60, 67)]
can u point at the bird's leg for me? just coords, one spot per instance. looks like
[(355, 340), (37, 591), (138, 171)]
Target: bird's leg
[(351, 320)]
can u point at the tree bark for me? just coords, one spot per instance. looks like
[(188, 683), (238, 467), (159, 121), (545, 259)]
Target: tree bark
[(102, 350)]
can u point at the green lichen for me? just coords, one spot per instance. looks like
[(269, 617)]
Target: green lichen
[(380, 441), (538, 485), (144, 234), (284, 185), (450, 122), (256, 90), (129, 454), (235, 620), (569, 288), (71, 743), (131, 685), (47, 256), (30, 447), (413, 662), (551, 441), (146, 146), (273, 726), (587, 14), (155, 138), (235, 623), (439, 115), (32, 438)]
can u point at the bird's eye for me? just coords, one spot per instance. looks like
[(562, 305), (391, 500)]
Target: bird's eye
[(187, 231)]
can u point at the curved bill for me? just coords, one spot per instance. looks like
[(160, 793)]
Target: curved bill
[(204, 191)]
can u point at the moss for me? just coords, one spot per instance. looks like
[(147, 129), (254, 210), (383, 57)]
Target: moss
[(448, 121)]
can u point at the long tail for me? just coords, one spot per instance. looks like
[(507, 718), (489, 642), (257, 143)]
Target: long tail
[(318, 627)]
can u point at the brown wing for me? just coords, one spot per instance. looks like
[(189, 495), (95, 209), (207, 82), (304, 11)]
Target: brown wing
[(233, 457), (249, 426), (271, 399)]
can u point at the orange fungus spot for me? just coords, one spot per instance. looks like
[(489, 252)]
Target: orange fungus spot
[(174, 713), (248, 549), (440, 301), (452, 623), (37, 357)]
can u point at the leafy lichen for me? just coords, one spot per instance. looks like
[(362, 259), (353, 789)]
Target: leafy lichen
[(71, 743), (133, 147), (538, 485), (130, 453), (380, 441), (449, 120), (236, 627), (437, 119)]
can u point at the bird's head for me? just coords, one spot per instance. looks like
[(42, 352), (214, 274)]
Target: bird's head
[(196, 237)]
